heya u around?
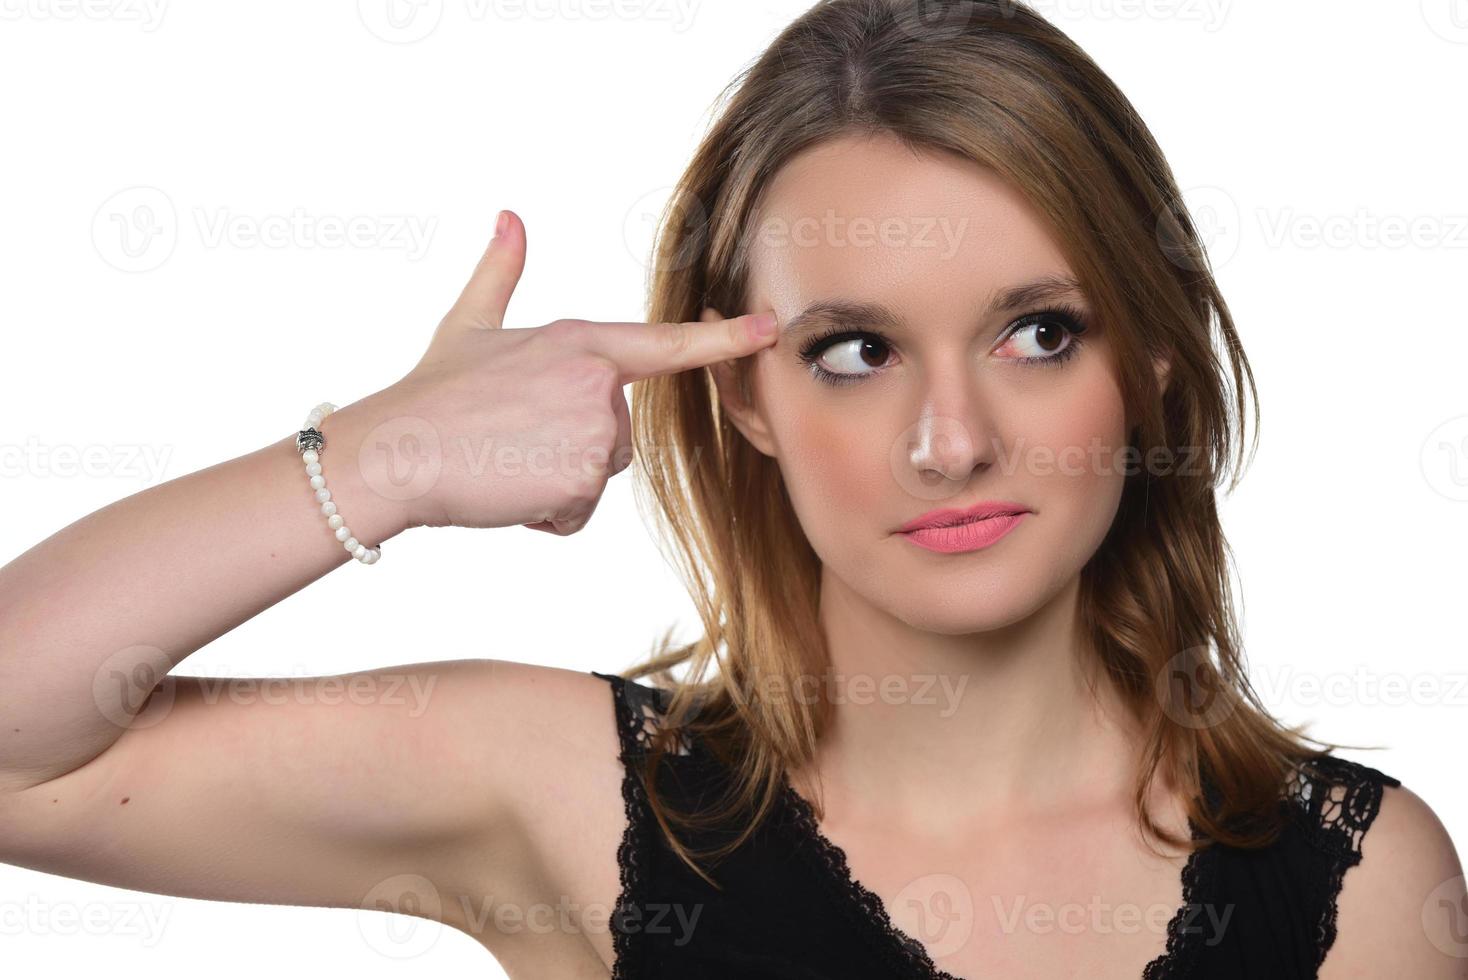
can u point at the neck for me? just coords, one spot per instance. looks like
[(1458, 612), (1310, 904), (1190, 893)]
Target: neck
[(935, 730)]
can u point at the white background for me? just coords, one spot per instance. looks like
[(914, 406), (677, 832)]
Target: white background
[(1306, 134)]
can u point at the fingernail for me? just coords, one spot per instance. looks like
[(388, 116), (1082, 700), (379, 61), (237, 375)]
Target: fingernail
[(501, 223), (764, 324)]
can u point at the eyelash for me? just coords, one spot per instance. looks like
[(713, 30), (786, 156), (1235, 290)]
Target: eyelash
[(1075, 321)]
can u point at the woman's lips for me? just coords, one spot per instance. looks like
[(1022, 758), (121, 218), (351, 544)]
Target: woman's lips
[(964, 537)]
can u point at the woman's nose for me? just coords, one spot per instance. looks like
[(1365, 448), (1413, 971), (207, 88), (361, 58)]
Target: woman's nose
[(950, 435)]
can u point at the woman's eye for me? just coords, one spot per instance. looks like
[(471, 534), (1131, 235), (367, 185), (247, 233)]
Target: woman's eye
[(850, 358), (1044, 337)]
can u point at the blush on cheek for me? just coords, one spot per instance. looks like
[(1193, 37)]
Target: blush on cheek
[(835, 472)]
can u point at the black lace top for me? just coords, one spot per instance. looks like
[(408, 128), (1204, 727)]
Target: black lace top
[(789, 908)]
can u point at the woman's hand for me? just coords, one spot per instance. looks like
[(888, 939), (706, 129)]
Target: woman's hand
[(530, 423)]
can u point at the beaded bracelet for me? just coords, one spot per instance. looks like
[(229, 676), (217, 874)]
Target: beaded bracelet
[(310, 443)]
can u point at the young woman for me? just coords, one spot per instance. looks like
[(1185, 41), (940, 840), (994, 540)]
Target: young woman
[(969, 701)]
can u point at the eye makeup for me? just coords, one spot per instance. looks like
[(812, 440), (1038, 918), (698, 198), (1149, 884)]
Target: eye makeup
[(1068, 317)]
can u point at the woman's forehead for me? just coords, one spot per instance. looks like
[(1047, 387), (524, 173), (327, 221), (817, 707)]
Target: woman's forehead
[(869, 216)]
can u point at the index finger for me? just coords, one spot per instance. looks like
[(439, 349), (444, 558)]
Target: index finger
[(642, 350)]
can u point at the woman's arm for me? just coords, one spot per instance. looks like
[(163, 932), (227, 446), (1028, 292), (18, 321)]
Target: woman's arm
[(95, 615)]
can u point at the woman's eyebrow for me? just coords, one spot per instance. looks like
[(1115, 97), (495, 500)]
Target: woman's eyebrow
[(862, 315)]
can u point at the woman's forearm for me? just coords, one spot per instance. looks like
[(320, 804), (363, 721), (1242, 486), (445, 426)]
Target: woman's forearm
[(100, 609)]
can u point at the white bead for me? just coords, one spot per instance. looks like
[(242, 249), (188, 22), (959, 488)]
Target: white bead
[(311, 458)]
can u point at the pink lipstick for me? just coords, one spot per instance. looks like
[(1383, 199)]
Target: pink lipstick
[(969, 529)]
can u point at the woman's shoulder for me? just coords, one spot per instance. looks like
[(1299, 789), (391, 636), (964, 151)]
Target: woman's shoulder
[(1401, 908)]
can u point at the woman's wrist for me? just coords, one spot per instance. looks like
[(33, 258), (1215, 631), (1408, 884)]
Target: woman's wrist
[(360, 477)]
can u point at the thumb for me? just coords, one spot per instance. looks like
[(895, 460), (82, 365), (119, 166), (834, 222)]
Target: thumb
[(486, 296)]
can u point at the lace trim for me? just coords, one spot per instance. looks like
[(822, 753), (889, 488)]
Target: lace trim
[(905, 956), (864, 909), (1177, 960), (1339, 799), (632, 739), (1336, 801), (638, 709)]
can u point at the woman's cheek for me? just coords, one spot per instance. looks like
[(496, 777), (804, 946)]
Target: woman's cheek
[(835, 472)]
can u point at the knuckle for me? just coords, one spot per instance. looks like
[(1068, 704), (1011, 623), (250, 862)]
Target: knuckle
[(560, 331), (675, 339)]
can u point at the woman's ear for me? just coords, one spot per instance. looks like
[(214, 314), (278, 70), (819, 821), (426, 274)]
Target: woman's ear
[(1162, 366), (735, 398)]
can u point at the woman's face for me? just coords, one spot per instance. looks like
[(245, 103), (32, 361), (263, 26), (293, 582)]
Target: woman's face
[(933, 406)]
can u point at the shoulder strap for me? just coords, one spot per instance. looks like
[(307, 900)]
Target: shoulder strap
[(640, 710), (637, 709), (1337, 800)]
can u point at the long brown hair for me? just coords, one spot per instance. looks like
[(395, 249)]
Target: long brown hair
[(994, 82)]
